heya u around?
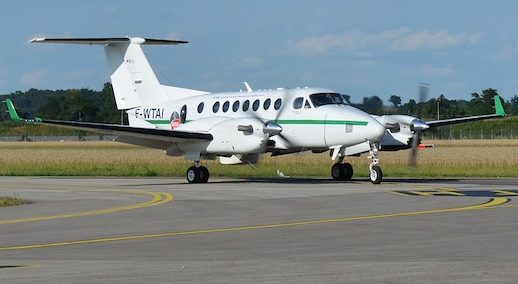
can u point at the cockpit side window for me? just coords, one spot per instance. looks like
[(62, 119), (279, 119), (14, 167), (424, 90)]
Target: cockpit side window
[(327, 99), (307, 104), (297, 103)]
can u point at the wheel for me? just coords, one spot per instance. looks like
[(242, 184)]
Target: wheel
[(376, 175), (337, 171), (348, 169), (204, 174), (193, 175)]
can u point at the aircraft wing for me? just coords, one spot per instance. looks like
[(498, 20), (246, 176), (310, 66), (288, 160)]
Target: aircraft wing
[(127, 133), (499, 112)]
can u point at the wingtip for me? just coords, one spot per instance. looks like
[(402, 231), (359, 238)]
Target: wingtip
[(12, 111), (499, 108), (37, 39)]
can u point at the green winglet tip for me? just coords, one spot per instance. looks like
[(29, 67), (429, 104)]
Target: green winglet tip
[(12, 111), (499, 108)]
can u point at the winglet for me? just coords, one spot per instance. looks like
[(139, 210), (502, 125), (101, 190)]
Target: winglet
[(499, 109), (12, 111), (14, 115)]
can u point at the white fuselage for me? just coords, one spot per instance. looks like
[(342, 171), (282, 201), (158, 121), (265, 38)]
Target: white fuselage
[(304, 125)]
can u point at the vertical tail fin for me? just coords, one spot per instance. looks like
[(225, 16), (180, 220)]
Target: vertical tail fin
[(134, 81)]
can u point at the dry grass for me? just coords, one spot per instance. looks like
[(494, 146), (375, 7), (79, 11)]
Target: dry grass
[(6, 201), (485, 158)]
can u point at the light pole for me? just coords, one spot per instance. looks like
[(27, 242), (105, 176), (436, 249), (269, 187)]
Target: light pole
[(438, 102)]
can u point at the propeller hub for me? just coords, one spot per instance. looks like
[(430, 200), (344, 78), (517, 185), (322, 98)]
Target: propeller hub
[(418, 125), (271, 128)]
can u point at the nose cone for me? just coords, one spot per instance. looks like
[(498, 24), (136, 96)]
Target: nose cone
[(370, 130), (362, 127)]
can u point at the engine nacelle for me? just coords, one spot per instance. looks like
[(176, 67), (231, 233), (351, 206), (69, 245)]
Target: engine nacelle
[(238, 136)]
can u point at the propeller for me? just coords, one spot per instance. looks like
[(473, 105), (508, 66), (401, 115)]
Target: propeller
[(271, 127), (417, 125)]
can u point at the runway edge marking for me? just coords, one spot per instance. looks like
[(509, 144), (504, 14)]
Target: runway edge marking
[(486, 205), (158, 199)]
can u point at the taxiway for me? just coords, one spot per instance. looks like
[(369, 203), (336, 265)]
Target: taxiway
[(274, 230)]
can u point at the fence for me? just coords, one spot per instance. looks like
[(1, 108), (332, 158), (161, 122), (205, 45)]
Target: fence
[(58, 138), (446, 133)]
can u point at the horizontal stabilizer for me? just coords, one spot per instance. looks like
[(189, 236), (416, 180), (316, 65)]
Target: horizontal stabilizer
[(108, 40)]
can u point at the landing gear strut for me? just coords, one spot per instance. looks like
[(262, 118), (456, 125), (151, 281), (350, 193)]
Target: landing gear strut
[(197, 173), (375, 173)]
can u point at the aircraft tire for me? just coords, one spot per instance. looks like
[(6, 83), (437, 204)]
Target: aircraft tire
[(193, 175), (348, 169), (204, 174), (338, 171), (376, 175)]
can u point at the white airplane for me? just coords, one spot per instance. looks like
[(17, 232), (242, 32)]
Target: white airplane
[(236, 127)]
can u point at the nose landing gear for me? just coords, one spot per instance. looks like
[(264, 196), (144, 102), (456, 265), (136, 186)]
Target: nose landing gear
[(375, 172)]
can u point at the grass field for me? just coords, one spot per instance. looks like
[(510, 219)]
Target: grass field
[(457, 158)]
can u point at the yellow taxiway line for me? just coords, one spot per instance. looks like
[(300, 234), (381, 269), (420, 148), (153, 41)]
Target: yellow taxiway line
[(491, 203), (157, 199)]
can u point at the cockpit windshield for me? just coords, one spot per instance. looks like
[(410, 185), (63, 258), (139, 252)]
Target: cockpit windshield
[(327, 99)]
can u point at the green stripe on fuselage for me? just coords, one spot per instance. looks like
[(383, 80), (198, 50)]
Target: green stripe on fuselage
[(290, 121), (316, 121), (158, 121)]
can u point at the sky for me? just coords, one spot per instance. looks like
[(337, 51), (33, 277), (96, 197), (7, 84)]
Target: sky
[(360, 48)]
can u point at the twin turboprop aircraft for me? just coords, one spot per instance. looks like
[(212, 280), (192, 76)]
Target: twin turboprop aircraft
[(237, 127)]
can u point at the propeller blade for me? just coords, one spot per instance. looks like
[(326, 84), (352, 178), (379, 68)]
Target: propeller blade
[(412, 162)]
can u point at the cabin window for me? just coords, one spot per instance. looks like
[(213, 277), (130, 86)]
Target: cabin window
[(183, 114), (215, 107), (255, 105), (246, 105), (235, 106), (225, 106), (200, 107), (297, 103), (266, 104), (277, 104)]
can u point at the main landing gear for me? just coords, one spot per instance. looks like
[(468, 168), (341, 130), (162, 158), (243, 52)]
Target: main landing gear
[(341, 171), (197, 173)]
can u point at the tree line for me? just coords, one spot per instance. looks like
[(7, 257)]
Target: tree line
[(480, 103)]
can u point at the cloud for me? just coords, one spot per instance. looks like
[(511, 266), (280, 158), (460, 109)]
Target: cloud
[(33, 77), (438, 71), (4, 71), (251, 62), (403, 39), (433, 40), (172, 35), (506, 53)]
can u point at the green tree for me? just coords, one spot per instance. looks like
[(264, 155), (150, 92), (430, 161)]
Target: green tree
[(395, 100), (372, 105), (514, 105), (483, 103)]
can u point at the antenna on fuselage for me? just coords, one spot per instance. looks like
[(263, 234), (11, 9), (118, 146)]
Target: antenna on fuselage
[(248, 88)]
